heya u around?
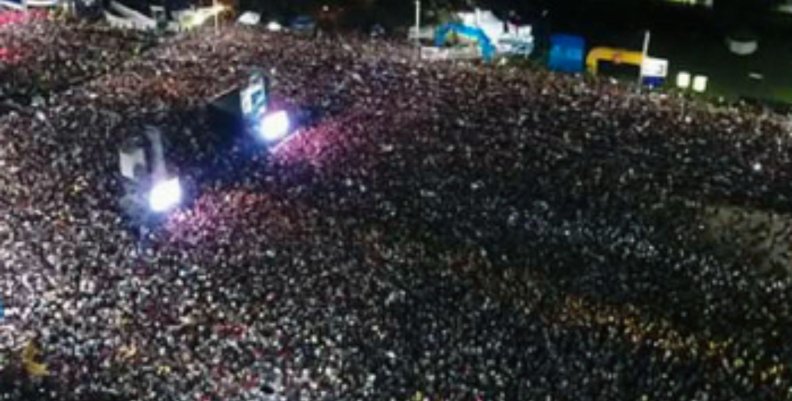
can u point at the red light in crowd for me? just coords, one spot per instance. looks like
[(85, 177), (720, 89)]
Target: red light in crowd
[(8, 55), (12, 17)]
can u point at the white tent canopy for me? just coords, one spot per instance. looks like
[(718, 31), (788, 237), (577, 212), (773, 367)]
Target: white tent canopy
[(507, 38), (24, 4), (129, 18)]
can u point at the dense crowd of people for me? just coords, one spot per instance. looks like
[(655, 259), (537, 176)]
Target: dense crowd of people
[(39, 57), (438, 232)]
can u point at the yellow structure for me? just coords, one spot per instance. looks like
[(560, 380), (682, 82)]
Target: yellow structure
[(29, 355), (615, 56)]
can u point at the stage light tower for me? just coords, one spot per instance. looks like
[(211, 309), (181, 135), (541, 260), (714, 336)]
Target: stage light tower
[(150, 189)]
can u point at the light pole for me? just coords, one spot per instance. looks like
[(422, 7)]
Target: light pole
[(418, 23), (645, 53), (216, 21)]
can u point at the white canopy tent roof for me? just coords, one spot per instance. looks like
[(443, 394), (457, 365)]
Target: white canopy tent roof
[(25, 4)]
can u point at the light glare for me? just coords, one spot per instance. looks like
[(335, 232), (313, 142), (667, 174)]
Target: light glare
[(700, 83), (683, 80), (274, 126), (165, 195)]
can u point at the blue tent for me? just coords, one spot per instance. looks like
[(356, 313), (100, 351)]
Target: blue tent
[(467, 32), (567, 53)]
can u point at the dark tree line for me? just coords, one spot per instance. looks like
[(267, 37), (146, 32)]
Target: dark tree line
[(743, 14), (728, 15), (733, 10)]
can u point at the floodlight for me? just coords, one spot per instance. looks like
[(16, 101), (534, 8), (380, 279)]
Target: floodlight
[(165, 195), (683, 80), (700, 83), (274, 126)]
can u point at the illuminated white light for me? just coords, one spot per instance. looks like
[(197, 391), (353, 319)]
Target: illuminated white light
[(274, 26), (274, 126), (683, 80), (165, 195), (700, 83), (757, 166)]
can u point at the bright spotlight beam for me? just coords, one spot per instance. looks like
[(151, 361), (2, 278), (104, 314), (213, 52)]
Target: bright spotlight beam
[(165, 195), (274, 126)]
